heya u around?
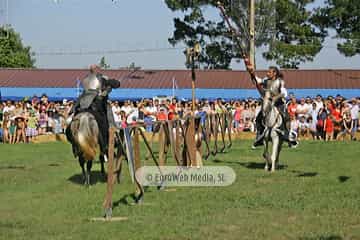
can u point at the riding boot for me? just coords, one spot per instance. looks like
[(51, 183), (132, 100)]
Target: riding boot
[(259, 132), (68, 134)]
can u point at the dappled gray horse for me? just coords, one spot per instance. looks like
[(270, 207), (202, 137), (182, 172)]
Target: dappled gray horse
[(85, 132), (272, 122)]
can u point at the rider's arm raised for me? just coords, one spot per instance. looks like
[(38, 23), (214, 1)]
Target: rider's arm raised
[(255, 79)]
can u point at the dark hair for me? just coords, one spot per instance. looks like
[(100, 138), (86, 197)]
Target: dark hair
[(277, 71)]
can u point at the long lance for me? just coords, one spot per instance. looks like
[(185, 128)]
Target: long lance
[(239, 43)]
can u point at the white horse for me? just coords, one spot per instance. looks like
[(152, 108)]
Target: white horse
[(272, 123)]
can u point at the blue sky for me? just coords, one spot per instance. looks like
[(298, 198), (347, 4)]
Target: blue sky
[(101, 25)]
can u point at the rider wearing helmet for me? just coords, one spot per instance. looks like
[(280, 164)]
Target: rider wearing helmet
[(94, 100), (274, 83)]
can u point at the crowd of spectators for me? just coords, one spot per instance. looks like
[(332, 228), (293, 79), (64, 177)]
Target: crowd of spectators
[(330, 118), (22, 121), (317, 118)]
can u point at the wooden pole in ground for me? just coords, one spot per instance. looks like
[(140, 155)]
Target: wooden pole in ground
[(172, 138), (137, 161), (215, 127), (162, 142), (110, 176), (178, 143), (193, 55), (190, 142), (198, 140), (230, 120)]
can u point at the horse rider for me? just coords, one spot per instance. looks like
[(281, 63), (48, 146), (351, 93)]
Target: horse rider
[(274, 83), (94, 100)]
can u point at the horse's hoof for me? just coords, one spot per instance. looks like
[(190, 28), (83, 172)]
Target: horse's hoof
[(139, 199), (87, 183), (108, 213), (161, 187), (103, 176)]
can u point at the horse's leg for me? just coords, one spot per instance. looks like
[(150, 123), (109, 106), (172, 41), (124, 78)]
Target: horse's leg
[(275, 149), (266, 155), (82, 165), (88, 172), (278, 153)]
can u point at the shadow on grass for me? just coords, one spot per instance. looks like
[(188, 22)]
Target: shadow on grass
[(332, 237), (308, 174), (251, 165), (125, 200), (304, 174), (54, 165), (343, 178), (257, 165), (96, 177), (12, 167), (218, 161)]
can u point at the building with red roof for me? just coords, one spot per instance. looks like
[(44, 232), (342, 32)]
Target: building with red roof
[(64, 83)]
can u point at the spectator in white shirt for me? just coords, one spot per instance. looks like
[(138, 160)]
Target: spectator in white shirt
[(150, 111), (308, 103), (116, 113), (133, 114), (354, 112), (302, 109), (319, 103), (9, 108), (312, 127), (126, 107), (314, 113), (303, 128)]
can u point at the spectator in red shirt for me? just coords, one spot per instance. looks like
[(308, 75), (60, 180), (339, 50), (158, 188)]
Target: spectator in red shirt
[(336, 113), (172, 109), (329, 128), (162, 114), (292, 107), (330, 104)]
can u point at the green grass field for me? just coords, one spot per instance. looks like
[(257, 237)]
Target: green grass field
[(316, 195)]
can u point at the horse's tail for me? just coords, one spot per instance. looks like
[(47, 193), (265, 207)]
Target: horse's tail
[(87, 135)]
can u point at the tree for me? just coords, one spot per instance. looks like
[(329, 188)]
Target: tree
[(344, 17), (298, 38), (13, 54), (284, 26), (212, 36), (103, 63)]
